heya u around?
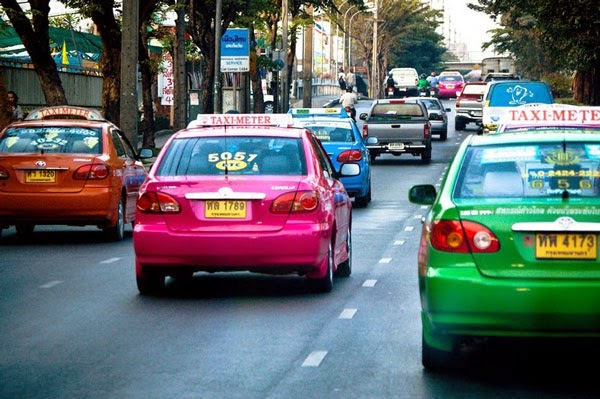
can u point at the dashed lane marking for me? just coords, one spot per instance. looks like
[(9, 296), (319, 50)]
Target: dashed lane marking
[(385, 260), (347, 313), (51, 284), (369, 283), (314, 359), (399, 242), (111, 260)]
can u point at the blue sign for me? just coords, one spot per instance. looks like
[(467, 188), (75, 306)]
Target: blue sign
[(235, 50)]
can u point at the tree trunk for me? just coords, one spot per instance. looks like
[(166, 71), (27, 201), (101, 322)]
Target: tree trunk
[(586, 86), (147, 123)]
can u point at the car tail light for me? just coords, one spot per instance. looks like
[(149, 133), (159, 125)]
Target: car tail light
[(3, 173), (458, 102), (365, 132), (96, 171), (297, 202), (427, 130), (349, 156), (152, 202), (462, 237)]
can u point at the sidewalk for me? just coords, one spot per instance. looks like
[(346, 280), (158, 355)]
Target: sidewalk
[(161, 137)]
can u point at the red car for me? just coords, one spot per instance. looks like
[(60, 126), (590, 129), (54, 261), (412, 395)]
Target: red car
[(449, 85), (243, 192)]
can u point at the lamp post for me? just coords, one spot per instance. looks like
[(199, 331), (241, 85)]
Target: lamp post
[(350, 39), (374, 78), (344, 63)]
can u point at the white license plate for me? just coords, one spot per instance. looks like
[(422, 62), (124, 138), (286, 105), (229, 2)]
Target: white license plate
[(396, 146)]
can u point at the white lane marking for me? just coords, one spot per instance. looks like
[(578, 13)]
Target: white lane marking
[(385, 260), (314, 359), (111, 260), (424, 206), (369, 283), (409, 228), (418, 216), (51, 284), (347, 313), (399, 242)]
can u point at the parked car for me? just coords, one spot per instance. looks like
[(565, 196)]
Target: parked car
[(344, 144), (493, 76), (469, 105), (499, 95), (243, 192), (449, 85), (438, 115), (68, 166), (509, 248)]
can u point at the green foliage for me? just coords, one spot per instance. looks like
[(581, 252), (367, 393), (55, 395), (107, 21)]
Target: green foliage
[(560, 84), (160, 123)]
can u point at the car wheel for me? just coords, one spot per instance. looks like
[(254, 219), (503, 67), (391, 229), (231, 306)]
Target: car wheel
[(426, 156), (444, 135), (269, 109), (372, 157), (25, 230), (324, 284), (117, 232), (433, 358), (459, 125), (361, 202), (149, 282), (344, 269)]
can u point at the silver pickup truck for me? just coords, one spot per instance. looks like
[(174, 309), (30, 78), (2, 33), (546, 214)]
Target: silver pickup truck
[(394, 126)]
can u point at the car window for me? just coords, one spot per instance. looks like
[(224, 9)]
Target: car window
[(432, 104), (52, 139), (332, 132), (123, 146), (323, 159), (233, 155), (554, 169), (511, 94), (384, 109), (474, 89), (451, 78)]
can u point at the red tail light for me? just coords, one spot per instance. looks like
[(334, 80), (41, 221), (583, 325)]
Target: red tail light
[(365, 132), (458, 102), (462, 237), (350, 156), (427, 130), (301, 201), (3, 173), (151, 202), (97, 171)]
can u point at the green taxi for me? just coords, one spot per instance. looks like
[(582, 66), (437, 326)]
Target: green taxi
[(509, 247)]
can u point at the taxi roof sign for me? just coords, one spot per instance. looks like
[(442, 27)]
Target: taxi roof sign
[(302, 112), (543, 115), (65, 112), (205, 120)]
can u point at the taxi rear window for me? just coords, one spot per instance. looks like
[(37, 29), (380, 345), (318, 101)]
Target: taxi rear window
[(531, 170), (332, 133), (233, 155), (51, 139), (519, 93)]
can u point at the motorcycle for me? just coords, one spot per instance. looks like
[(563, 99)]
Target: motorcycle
[(389, 91), (351, 111)]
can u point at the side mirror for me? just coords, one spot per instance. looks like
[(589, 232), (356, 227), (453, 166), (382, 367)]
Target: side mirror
[(146, 153), (372, 140), (363, 116), (423, 194), (350, 169)]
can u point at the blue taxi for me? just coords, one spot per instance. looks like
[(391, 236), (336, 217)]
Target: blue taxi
[(344, 144)]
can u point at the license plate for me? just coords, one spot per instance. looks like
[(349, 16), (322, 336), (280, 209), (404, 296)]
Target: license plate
[(396, 146), (40, 176), (566, 246), (227, 209), (450, 86)]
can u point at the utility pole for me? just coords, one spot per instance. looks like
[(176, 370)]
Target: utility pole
[(180, 92), (217, 97), (129, 64), (285, 84), (307, 62)]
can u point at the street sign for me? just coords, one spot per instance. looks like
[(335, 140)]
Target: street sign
[(235, 50)]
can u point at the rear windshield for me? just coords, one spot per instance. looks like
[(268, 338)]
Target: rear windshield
[(511, 94), (233, 155), (533, 170), (51, 139), (474, 89), (332, 132), (397, 109), (451, 78)]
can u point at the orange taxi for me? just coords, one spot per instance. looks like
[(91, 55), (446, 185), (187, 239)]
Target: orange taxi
[(68, 166)]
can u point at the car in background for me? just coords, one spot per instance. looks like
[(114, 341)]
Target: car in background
[(449, 85), (469, 105), (494, 76), (405, 81), (243, 192), (509, 248), (68, 165), (438, 115), (449, 73), (499, 95), (344, 144)]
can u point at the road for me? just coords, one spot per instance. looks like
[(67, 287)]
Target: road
[(74, 326)]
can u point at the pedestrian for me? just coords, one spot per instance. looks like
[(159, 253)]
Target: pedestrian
[(342, 82), (15, 108), (350, 78), (348, 101)]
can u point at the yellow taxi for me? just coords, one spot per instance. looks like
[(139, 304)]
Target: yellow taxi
[(68, 165)]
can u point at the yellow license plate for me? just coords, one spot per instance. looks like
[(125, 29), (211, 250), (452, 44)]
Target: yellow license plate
[(40, 176), (566, 246), (227, 209)]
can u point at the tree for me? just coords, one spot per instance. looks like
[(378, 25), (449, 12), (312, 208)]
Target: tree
[(567, 31), (34, 36)]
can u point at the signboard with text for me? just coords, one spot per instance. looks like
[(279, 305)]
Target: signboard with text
[(235, 50)]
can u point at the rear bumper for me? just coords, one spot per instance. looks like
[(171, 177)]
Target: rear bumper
[(469, 117)]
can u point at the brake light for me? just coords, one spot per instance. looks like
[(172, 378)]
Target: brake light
[(349, 156), (3, 173), (427, 130), (365, 132), (295, 202), (458, 102), (152, 202), (463, 237), (97, 171)]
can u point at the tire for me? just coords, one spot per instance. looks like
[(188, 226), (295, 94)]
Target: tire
[(150, 282), (372, 157), (269, 107), (25, 230), (426, 156), (444, 135), (435, 359), (117, 232), (458, 125), (344, 269), (325, 283)]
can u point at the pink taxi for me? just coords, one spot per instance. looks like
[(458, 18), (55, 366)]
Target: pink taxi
[(243, 192)]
